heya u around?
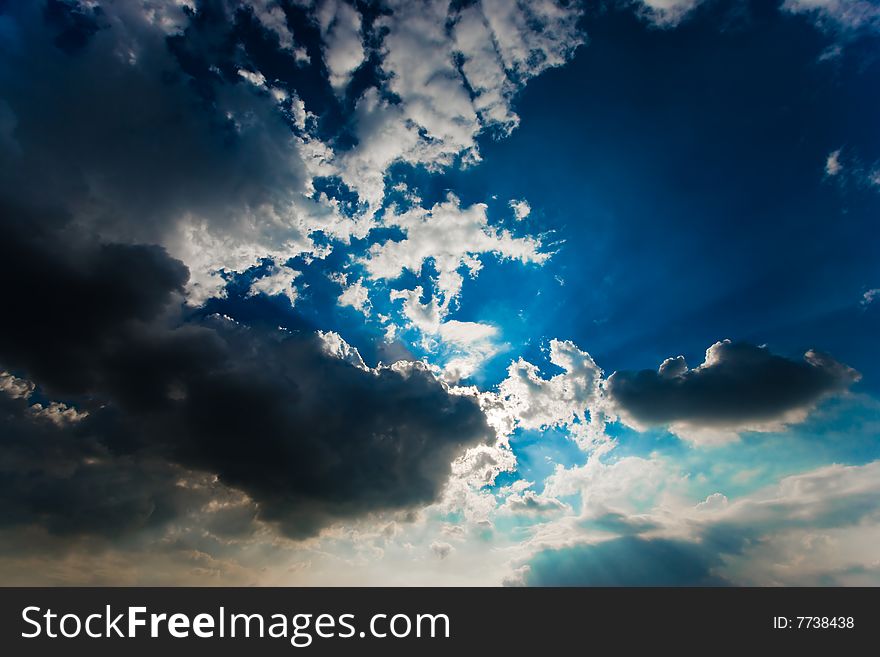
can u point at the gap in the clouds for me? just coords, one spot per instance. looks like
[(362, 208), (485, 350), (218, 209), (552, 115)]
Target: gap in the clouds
[(334, 188), (537, 455)]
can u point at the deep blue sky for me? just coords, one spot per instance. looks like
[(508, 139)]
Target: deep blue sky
[(684, 171)]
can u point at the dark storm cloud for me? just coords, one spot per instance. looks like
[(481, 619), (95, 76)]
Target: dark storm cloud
[(737, 385), (307, 435), (136, 128), (625, 561), (64, 479)]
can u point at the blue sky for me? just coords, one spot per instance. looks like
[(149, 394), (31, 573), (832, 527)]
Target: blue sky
[(406, 282)]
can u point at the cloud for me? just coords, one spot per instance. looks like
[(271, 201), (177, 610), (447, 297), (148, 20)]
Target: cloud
[(738, 387), (177, 133), (451, 73), (832, 163), (531, 503), (453, 238), (665, 13), (521, 209), (271, 15), (818, 527), (153, 150), (340, 29), (870, 296), (839, 15), (848, 171), (308, 436), (278, 281), (15, 387), (356, 296), (441, 549), (525, 399)]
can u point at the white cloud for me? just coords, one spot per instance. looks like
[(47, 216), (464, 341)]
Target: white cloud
[(57, 413), (484, 70), (870, 296), (15, 387), (417, 56), (435, 121), (356, 296), (335, 345), (278, 281), (452, 238), (526, 399), (255, 78), (271, 16), (521, 209), (532, 36), (833, 165), (170, 16), (818, 527), (467, 345), (340, 25), (666, 13)]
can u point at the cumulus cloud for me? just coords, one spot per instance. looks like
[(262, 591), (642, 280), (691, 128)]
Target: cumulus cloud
[(450, 84), (340, 25), (738, 387), (453, 238), (277, 281), (527, 400), (15, 387), (356, 296)]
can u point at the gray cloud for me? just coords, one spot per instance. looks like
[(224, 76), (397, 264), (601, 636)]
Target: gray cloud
[(308, 436), (738, 387)]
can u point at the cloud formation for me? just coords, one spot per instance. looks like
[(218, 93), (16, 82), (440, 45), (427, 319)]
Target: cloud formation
[(738, 387), (307, 435), (818, 527)]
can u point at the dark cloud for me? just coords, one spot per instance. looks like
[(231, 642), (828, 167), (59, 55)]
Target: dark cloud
[(738, 384), (65, 480), (135, 131), (307, 435), (625, 561), (115, 135)]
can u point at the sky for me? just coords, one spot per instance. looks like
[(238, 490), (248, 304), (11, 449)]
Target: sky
[(432, 292)]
